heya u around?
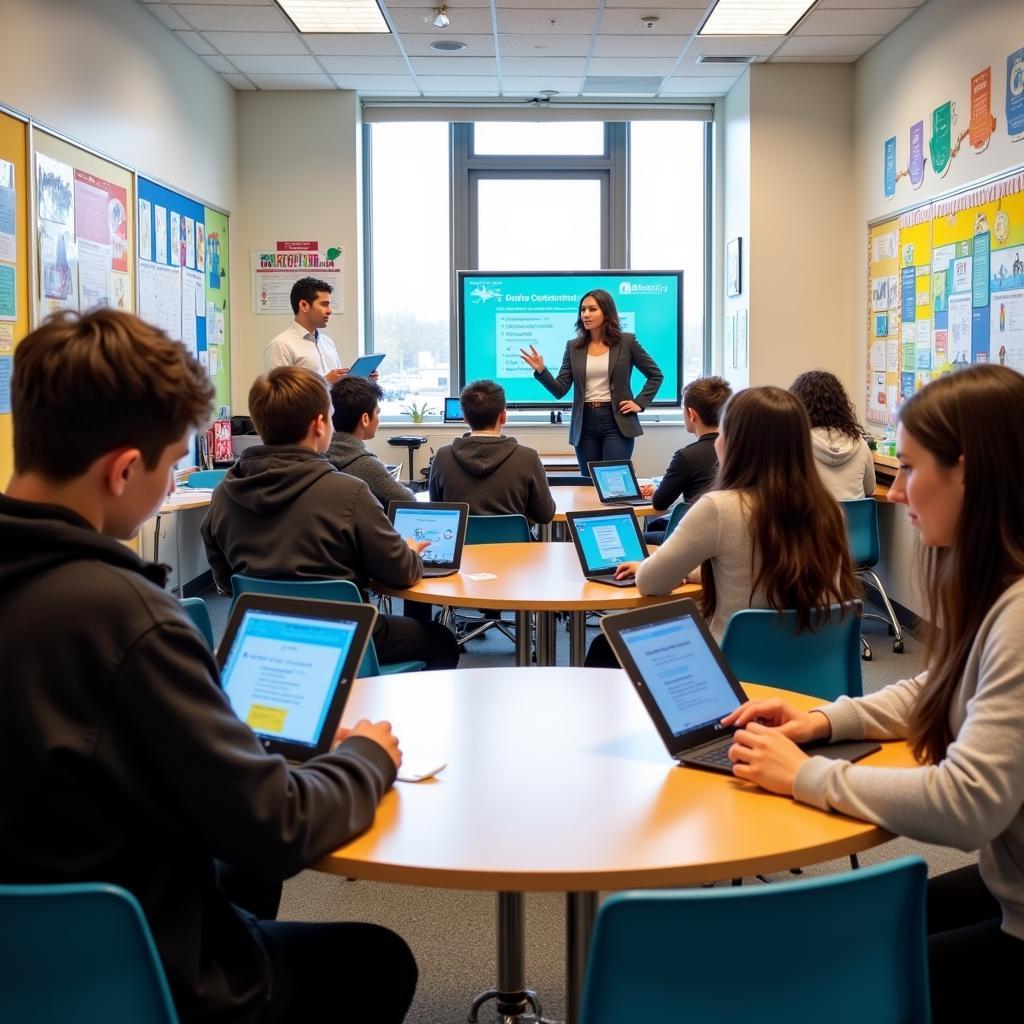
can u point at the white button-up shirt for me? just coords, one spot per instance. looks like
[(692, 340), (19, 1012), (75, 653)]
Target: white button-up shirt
[(295, 346)]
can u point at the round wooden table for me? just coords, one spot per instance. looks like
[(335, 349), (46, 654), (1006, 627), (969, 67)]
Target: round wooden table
[(530, 578), (558, 781)]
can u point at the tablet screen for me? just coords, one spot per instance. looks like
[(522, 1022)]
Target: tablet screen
[(614, 481), (608, 540), (681, 673), (438, 525), (365, 365), (283, 672)]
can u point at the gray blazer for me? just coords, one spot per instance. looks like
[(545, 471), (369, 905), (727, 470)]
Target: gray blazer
[(621, 360)]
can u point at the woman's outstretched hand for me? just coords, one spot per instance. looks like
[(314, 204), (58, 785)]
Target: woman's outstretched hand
[(533, 359)]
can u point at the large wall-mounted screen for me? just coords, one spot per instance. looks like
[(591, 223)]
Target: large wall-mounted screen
[(499, 314)]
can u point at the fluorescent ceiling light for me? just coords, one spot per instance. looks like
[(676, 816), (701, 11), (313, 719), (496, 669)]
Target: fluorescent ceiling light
[(755, 17), (335, 15)]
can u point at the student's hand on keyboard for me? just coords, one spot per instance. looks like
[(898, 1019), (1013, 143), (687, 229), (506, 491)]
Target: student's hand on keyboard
[(763, 755), (419, 546), (626, 570), (799, 726), (646, 490), (379, 732)]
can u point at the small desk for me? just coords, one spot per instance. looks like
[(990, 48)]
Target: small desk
[(178, 501), (538, 578), (584, 798)]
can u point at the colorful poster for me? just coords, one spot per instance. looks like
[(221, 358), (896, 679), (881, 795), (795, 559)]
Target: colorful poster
[(938, 144), (8, 213), (57, 266), (916, 167), (882, 325), (980, 278), (55, 190), (907, 384), (890, 167), (983, 124), (100, 217), (200, 247), (1015, 95), (189, 233), (8, 292), (909, 285), (274, 272)]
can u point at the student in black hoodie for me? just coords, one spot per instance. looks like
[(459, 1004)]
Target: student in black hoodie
[(123, 759), (493, 474), (284, 512)]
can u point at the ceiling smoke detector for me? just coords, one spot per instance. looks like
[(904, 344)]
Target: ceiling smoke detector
[(650, 20)]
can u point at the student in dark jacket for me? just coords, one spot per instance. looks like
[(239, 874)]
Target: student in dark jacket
[(284, 512), (123, 759), (492, 473)]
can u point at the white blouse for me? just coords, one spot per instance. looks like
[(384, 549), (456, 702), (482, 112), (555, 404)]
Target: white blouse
[(597, 388)]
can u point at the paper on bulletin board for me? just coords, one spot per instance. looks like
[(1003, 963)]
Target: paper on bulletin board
[(6, 339), (56, 197), (8, 213), (58, 267), (145, 230), (878, 356), (6, 363), (274, 272), (883, 247), (93, 274), (8, 291), (160, 232), (160, 296), (214, 325)]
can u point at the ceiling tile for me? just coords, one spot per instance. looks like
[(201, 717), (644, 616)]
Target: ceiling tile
[(476, 46), (424, 7), (293, 81), (377, 83), (679, 5), (757, 46), (221, 64), (222, 3), (455, 64), (838, 59), (851, 23), (526, 5), (542, 22), (525, 66), (546, 46), (363, 44), (826, 46), (688, 66), (474, 22), (865, 4), (631, 46), (440, 85), (364, 65), (277, 65), (168, 15), (697, 87), (534, 85), (239, 82), (195, 42), (629, 22), (631, 66), (234, 17), (273, 43)]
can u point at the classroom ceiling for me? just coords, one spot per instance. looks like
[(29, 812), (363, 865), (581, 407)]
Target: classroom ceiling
[(639, 49)]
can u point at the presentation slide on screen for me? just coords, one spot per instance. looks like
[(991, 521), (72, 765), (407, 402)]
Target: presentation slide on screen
[(615, 481), (681, 673), (281, 673), (503, 313), (608, 541), (440, 527)]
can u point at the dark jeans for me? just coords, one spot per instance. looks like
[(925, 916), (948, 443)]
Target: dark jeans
[(601, 439), (399, 638), (974, 966)]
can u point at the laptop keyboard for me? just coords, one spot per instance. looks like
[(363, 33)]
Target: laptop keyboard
[(718, 756)]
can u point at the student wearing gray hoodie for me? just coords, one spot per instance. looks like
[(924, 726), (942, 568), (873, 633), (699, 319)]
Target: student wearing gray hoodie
[(840, 452), (493, 473)]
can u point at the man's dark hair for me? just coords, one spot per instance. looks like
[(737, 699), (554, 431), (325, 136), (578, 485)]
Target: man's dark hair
[(351, 397), (283, 403), (482, 403), (85, 385), (706, 396), (307, 288)]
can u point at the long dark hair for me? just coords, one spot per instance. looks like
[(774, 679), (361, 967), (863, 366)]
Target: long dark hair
[(612, 327), (798, 529), (975, 413), (826, 401)]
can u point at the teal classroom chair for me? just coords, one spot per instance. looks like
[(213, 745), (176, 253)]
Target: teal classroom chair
[(510, 529), (845, 949), (865, 550), (323, 590), (79, 952), (678, 512), (196, 610), (205, 478), (763, 646)]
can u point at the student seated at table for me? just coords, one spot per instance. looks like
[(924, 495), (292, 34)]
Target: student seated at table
[(123, 759), (768, 536), (840, 452), (960, 445), (493, 473), (356, 417), (692, 469), (284, 512)]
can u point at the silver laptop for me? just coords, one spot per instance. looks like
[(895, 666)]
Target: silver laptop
[(616, 483), (442, 523)]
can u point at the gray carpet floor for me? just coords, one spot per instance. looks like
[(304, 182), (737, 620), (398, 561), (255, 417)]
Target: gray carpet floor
[(452, 933)]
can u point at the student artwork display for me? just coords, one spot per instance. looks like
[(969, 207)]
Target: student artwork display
[(274, 271), (946, 289)]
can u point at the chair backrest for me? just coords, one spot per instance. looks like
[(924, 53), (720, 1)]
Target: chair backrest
[(673, 520), (763, 646), (196, 610), (497, 530), (318, 590), (564, 480), (843, 948), (862, 529), (79, 953), (205, 478)]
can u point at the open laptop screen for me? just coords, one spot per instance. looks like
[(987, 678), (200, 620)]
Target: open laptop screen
[(282, 673), (681, 673), (453, 411), (438, 525), (614, 480), (608, 539)]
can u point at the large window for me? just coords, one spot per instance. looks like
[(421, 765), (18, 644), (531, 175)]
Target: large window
[(508, 196)]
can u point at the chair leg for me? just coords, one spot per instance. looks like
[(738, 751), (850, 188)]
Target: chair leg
[(854, 861), (894, 622), (866, 652)]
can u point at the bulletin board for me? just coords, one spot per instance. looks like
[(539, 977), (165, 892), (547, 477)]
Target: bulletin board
[(178, 265), (15, 303), (957, 265), (82, 227)]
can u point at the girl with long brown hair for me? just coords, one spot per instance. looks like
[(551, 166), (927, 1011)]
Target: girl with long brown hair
[(768, 534), (960, 446)]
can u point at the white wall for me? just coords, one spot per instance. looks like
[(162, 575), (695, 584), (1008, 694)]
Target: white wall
[(109, 75), (298, 154)]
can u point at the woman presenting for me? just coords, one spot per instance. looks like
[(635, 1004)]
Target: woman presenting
[(598, 365)]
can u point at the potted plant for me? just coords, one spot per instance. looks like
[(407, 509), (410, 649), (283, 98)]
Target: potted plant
[(418, 413)]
